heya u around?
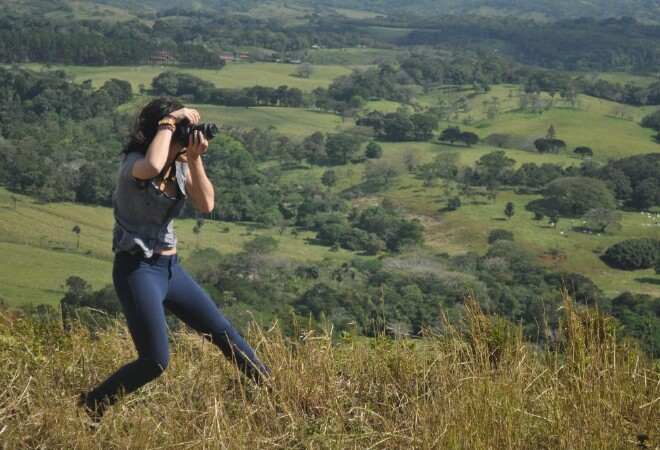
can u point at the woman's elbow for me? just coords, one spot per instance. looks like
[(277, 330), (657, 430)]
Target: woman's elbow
[(206, 207)]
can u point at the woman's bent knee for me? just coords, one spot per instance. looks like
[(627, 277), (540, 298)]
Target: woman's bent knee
[(154, 367)]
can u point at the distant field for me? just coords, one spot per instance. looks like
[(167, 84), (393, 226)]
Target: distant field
[(352, 56), (357, 14), (623, 78), (609, 137), (89, 11), (288, 13), (290, 121), (611, 129), (233, 75), (41, 247)]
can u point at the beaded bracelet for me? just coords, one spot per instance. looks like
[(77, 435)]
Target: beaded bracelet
[(167, 127)]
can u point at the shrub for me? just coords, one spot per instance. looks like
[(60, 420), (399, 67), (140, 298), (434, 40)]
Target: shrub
[(633, 254), (500, 235), (454, 203)]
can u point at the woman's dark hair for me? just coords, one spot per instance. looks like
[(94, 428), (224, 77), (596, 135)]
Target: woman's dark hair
[(146, 123)]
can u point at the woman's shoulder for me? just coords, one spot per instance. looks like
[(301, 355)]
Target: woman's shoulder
[(126, 165)]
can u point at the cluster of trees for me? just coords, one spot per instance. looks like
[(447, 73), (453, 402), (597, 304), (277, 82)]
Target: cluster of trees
[(33, 38), (195, 89), (653, 121), (454, 134), (400, 125), (371, 230), (398, 12), (630, 94), (193, 37), (59, 140), (635, 180), (580, 44), (224, 28)]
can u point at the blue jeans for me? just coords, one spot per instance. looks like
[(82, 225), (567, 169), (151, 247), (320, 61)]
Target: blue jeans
[(145, 286)]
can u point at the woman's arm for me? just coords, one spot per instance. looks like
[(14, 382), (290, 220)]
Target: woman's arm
[(156, 157), (198, 186)]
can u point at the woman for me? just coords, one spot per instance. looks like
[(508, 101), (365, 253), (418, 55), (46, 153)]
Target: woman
[(155, 177)]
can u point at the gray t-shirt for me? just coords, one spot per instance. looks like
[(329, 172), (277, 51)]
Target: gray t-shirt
[(144, 216)]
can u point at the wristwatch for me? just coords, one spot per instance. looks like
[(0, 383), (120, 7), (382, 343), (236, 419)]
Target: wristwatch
[(167, 120)]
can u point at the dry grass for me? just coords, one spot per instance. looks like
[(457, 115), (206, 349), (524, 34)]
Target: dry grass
[(478, 386)]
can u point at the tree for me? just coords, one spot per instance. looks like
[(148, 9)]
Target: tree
[(410, 160), (379, 174), (341, 148), (574, 196), (499, 234), (451, 134), (601, 220), (304, 70), (509, 210), (398, 127), (261, 245), (329, 178), (492, 167), (652, 121), (197, 229), (454, 203), (374, 151), (583, 152), (549, 145), (76, 229), (424, 124), (553, 219), (469, 138)]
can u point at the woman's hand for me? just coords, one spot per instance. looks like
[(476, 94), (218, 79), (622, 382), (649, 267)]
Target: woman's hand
[(186, 113), (197, 145)]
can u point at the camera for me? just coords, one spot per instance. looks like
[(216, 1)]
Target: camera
[(185, 129)]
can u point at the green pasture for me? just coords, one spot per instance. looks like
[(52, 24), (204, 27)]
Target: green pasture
[(625, 78), (357, 14), (40, 247), (608, 136), (561, 248), (351, 56), (388, 34), (296, 122), (287, 13), (82, 10), (611, 129), (233, 75)]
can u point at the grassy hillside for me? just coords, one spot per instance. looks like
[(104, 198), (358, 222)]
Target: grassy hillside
[(611, 129), (480, 388), (42, 248)]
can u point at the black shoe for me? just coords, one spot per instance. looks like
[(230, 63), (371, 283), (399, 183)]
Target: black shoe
[(94, 412)]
